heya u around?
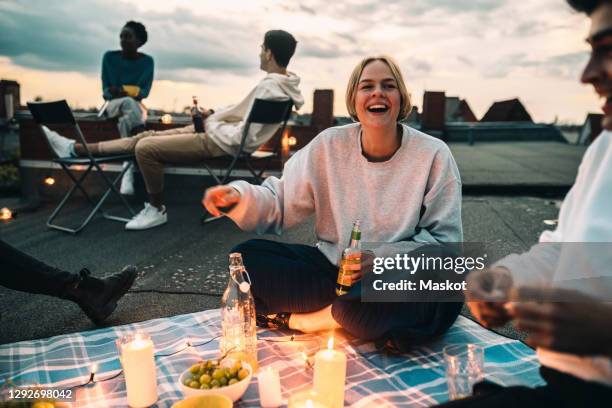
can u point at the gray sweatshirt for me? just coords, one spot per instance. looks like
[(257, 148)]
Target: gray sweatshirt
[(414, 197)]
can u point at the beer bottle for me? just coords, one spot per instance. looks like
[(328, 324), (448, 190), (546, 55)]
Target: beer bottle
[(196, 116), (350, 262)]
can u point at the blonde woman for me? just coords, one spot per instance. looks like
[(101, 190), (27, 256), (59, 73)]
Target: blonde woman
[(402, 184)]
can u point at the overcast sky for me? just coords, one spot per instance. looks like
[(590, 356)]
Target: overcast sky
[(480, 50)]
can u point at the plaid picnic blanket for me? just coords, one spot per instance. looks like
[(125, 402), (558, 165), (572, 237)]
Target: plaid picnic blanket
[(373, 379)]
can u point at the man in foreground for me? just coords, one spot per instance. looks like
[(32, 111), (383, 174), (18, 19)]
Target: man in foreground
[(560, 290)]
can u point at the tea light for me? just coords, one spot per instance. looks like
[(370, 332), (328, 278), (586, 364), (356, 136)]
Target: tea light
[(329, 375), (138, 369), (269, 388), (306, 399), (5, 214)]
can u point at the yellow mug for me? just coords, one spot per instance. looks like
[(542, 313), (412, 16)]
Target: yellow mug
[(131, 90)]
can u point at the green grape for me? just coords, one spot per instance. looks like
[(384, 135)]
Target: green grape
[(204, 387), (218, 373), (243, 373), (194, 384), (233, 381), (205, 379)]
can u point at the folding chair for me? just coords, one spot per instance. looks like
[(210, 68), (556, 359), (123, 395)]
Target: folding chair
[(59, 113), (264, 112)]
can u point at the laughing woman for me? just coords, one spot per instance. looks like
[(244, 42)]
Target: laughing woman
[(402, 184)]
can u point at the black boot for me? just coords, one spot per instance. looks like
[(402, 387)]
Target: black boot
[(98, 297)]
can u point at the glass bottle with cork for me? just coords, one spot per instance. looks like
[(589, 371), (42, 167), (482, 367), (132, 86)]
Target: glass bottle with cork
[(196, 116), (350, 262), (239, 336)]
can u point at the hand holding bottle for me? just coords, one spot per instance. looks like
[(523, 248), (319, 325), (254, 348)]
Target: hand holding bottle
[(366, 265), (220, 199)]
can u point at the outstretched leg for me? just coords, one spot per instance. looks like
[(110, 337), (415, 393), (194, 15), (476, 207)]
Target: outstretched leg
[(96, 297)]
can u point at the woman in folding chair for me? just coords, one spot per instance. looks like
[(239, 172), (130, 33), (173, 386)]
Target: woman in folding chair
[(402, 184), (127, 76), (96, 297)]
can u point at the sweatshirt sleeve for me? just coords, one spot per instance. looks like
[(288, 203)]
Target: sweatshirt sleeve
[(534, 267), (146, 79), (278, 203), (106, 76)]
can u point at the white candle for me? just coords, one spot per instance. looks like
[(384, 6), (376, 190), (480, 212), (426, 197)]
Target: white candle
[(307, 399), (269, 388), (139, 370), (329, 375)]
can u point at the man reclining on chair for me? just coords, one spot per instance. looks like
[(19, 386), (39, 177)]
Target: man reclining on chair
[(222, 135)]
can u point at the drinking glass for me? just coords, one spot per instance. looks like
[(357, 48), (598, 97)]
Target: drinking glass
[(464, 368)]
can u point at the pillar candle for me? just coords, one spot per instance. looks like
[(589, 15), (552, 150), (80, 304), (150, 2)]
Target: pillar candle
[(329, 375), (269, 388), (139, 370)]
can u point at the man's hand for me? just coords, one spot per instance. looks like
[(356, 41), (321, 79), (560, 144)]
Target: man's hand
[(220, 199), (563, 320), (206, 113), (487, 291)]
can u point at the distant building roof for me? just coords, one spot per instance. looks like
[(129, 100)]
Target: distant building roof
[(458, 110), (591, 129), (511, 110)]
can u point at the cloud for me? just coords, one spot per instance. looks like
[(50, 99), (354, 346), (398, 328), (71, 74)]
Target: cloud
[(77, 35), (566, 66), (508, 63)]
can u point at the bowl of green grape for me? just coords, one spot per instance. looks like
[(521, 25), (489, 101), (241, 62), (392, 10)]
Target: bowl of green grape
[(230, 378)]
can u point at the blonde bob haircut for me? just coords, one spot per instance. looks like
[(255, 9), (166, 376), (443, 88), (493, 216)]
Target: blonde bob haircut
[(351, 88)]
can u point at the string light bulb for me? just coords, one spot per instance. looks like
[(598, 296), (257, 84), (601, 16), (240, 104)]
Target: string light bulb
[(49, 181), (166, 119), (6, 214)]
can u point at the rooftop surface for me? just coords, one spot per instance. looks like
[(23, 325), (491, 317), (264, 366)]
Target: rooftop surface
[(183, 265)]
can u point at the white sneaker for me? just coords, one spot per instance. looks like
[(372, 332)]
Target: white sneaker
[(62, 146), (149, 217), (127, 181)]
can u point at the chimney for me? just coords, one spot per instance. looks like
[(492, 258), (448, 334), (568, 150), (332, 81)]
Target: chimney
[(9, 98), (322, 109), (434, 104)]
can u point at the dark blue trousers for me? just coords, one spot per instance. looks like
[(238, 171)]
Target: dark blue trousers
[(19, 271), (299, 278)]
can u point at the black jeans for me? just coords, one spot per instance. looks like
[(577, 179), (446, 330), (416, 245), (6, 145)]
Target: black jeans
[(299, 278), (20, 271), (561, 390)]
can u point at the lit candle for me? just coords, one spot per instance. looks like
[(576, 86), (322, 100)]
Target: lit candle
[(269, 388), (329, 375), (166, 119), (5, 214), (307, 399), (138, 369)]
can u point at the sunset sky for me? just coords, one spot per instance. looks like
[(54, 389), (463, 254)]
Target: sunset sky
[(481, 50)]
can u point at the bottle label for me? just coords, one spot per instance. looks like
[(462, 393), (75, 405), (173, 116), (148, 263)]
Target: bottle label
[(349, 264)]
